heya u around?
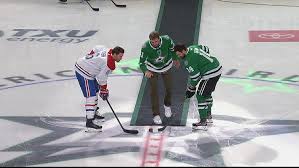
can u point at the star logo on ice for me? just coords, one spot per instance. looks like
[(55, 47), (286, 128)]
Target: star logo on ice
[(66, 140)]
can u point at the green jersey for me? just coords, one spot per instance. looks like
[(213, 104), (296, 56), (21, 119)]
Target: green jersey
[(157, 59), (200, 64)]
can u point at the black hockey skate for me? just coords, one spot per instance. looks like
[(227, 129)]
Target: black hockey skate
[(209, 118), (91, 126), (63, 1), (201, 125), (98, 116)]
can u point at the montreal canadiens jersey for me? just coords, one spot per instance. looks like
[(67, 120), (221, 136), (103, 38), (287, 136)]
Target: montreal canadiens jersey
[(97, 64)]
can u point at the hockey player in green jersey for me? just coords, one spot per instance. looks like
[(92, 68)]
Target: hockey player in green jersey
[(157, 57), (204, 70)]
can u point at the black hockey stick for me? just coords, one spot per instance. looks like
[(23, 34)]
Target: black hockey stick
[(164, 126), (95, 9), (118, 5), (159, 129), (125, 130)]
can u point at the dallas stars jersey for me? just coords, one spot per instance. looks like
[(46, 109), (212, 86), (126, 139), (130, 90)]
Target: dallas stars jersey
[(157, 59), (200, 64)]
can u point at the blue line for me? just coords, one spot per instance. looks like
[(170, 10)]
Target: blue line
[(141, 74)]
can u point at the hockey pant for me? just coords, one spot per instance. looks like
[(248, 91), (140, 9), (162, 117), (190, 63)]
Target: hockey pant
[(90, 89), (204, 96)]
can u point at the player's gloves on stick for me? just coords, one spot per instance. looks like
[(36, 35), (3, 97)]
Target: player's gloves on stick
[(190, 91), (104, 92)]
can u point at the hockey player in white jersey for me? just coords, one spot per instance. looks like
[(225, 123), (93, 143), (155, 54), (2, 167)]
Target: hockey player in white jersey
[(92, 73)]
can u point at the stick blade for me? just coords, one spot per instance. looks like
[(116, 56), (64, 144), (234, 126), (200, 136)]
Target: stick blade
[(131, 131), (162, 128), (121, 6), (118, 5)]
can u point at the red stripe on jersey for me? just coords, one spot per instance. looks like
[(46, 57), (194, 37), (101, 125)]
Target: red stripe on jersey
[(83, 70)]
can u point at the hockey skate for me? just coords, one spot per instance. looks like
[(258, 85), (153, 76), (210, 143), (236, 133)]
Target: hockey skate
[(92, 127), (63, 1), (98, 116), (201, 125), (209, 118)]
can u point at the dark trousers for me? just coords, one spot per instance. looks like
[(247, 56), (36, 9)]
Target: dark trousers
[(167, 80)]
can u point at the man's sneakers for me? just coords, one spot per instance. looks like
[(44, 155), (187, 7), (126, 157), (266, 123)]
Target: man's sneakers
[(167, 110), (157, 119), (168, 113), (201, 125)]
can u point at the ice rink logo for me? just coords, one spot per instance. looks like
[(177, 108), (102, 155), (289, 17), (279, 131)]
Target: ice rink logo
[(274, 36), (50, 36), (1, 33)]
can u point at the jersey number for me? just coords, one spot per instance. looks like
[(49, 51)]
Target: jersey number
[(190, 69), (88, 56), (91, 55), (203, 53)]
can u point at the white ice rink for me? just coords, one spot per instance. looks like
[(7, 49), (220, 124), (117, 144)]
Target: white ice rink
[(42, 117)]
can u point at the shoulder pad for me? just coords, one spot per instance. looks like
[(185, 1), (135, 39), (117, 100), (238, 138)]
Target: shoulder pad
[(166, 37), (145, 44)]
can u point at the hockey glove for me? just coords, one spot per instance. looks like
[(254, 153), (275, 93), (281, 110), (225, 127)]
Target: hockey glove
[(190, 91), (104, 92)]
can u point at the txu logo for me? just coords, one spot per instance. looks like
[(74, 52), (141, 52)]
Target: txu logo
[(48, 36)]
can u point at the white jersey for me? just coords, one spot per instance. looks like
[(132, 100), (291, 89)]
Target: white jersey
[(95, 65)]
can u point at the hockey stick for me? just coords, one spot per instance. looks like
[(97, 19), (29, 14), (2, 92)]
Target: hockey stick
[(164, 126), (95, 9), (125, 130), (118, 5)]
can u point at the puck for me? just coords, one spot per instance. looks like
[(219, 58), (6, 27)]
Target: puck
[(154, 130)]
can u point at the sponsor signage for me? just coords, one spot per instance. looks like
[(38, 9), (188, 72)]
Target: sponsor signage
[(48, 35), (274, 36)]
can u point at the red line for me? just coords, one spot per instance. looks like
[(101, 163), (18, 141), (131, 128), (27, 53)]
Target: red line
[(158, 154), (145, 149), (160, 149), (153, 154), (153, 146), (151, 161)]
